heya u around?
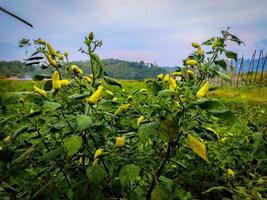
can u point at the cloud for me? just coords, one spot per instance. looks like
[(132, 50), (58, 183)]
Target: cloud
[(162, 29)]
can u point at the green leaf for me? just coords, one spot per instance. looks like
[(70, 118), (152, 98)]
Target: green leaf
[(207, 103), (96, 58), (49, 105), (182, 194), (128, 173), (32, 63), (232, 67), (19, 131), (221, 63), (166, 93), (70, 194), (224, 114), (95, 174), (212, 133), (217, 188), (168, 128), (159, 193), (146, 131), (79, 96), (223, 76), (168, 183), (42, 189), (40, 77), (34, 58), (5, 120), (97, 66), (209, 41), (72, 144), (112, 81), (155, 87), (236, 39), (48, 85), (23, 157), (51, 155), (84, 122), (225, 33), (33, 114), (230, 54)]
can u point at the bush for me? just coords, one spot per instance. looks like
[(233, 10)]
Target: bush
[(86, 137)]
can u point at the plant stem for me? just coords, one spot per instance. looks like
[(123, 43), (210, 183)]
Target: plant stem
[(158, 172), (63, 115), (64, 174)]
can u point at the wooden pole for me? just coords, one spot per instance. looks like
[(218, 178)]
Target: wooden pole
[(250, 65), (262, 69), (252, 68), (240, 68), (257, 67)]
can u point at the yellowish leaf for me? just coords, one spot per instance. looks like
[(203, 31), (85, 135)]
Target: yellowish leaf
[(198, 147)]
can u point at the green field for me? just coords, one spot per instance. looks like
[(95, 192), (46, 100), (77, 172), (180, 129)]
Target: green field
[(256, 96)]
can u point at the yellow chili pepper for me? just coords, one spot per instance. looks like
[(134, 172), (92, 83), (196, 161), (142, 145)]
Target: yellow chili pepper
[(194, 44), (177, 73), (120, 141), (166, 78), (7, 139), (61, 57), (64, 82), (88, 79), (199, 51), (190, 73), (160, 77), (95, 97), (140, 120), (130, 99), (143, 90), (109, 92), (230, 172), (56, 84), (39, 91), (191, 62), (98, 152), (172, 84), (51, 60), (40, 41), (76, 69), (203, 90), (122, 108), (115, 99), (51, 50)]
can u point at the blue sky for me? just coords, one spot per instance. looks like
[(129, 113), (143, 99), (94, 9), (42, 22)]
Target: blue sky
[(150, 30)]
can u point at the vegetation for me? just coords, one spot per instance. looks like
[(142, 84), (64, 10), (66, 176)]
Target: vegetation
[(113, 67), (89, 136)]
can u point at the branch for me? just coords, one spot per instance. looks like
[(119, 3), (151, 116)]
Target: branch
[(157, 174), (17, 17)]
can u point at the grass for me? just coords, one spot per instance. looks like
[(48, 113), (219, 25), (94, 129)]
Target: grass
[(256, 96), (26, 85), (15, 85)]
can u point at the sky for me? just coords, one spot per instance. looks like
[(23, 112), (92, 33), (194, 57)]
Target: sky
[(156, 31)]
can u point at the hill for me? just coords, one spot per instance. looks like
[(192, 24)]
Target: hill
[(115, 68)]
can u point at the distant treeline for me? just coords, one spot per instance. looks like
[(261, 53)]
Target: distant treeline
[(113, 67)]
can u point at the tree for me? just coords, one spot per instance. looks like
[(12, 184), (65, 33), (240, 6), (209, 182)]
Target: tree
[(24, 43)]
